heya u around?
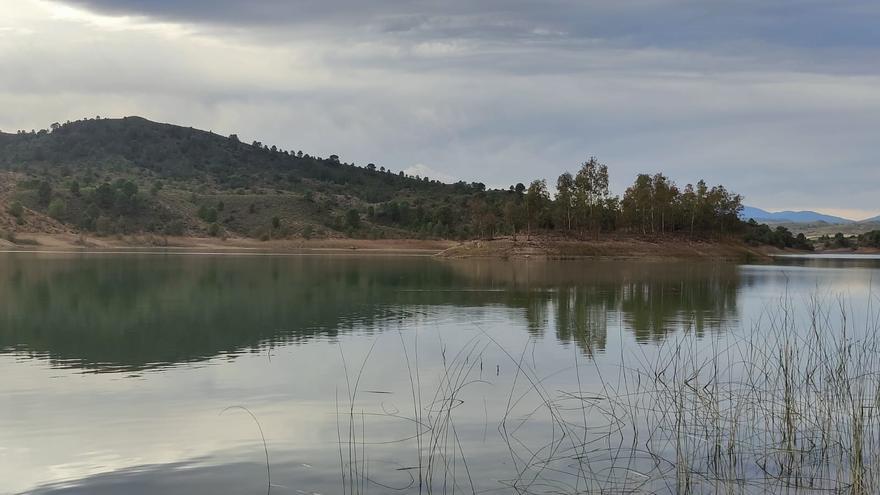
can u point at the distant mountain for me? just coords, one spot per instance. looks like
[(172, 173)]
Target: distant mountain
[(871, 220), (790, 216)]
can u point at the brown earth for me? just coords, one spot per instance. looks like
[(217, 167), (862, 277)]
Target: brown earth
[(861, 250), (609, 247), (33, 222), (72, 241)]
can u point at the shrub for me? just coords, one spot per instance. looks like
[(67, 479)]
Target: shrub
[(57, 208), (17, 211), (207, 214), (175, 227), (352, 219)]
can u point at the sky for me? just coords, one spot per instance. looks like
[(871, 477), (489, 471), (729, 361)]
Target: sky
[(777, 100)]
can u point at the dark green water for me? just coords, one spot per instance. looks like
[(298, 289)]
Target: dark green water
[(117, 370)]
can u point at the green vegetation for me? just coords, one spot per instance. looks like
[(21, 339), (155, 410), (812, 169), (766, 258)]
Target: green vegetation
[(781, 237), (132, 175), (17, 211), (787, 407), (870, 240)]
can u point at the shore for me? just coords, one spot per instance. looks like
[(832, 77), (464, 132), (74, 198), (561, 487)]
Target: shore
[(610, 247), (606, 247), (72, 242)]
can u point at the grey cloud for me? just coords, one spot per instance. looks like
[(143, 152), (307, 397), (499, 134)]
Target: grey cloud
[(670, 23), (763, 98)]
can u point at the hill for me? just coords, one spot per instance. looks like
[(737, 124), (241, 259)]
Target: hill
[(120, 176), (819, 229), (791, 217)]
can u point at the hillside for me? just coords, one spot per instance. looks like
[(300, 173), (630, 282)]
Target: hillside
[(818, 229), (791, 217), (130, 175)]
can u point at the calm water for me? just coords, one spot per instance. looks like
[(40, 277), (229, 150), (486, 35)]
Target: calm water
[(125, 373)]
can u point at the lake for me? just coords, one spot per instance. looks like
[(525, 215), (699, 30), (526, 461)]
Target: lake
[(212, 374)]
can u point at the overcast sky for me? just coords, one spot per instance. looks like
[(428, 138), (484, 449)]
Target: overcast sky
[(779, 101)]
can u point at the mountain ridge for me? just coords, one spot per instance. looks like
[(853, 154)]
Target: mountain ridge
[(789, 216)]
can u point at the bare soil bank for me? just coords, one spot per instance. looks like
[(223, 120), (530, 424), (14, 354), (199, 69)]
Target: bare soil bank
[(609, 247), (49, 242)]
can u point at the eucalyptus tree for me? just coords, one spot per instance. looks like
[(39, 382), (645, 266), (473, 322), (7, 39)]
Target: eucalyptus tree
[(591, 190), (565, 197), (537, 199)]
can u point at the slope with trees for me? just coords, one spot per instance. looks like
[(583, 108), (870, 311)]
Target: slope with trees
[(130, 175)]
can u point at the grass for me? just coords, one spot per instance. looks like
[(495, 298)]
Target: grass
[(789, 405)]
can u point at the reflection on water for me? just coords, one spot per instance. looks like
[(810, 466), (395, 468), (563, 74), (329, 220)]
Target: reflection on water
[(116, 368), (129, 313)]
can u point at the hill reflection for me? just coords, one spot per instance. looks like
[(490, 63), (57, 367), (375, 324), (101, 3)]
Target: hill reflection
[(113, 313)]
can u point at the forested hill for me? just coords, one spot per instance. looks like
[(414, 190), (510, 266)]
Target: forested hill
[(130, 175), (127, 175)]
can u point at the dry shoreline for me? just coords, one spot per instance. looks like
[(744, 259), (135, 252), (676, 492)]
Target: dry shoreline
[(72, 242), (606, 247), (611, 247)]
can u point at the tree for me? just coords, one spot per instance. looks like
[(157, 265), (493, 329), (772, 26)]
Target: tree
[(482, 216), (513, 214), (276, 223), (664, 196), (125, 204), (57, 208), (17, 211), (591, 190), (637, 201), (537, 198), (565, 196), (353, 219), (74, 188), (207, 214), (44, 193), (870, 239), (128, 188)]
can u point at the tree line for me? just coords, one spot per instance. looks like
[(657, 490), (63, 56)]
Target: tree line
[(130, 175), (584, 206)]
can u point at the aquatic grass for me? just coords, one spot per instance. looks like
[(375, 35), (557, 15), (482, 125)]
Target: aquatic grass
[(262, 438), (785, 405)]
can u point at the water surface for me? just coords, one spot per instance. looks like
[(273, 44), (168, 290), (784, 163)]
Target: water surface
[(139, 373)]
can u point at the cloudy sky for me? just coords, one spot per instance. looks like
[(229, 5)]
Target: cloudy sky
[(778, 100)]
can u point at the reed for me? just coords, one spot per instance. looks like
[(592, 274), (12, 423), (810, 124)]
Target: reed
[(787, 405)]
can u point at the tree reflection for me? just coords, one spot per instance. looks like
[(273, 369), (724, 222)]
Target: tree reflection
[(109, 313)]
